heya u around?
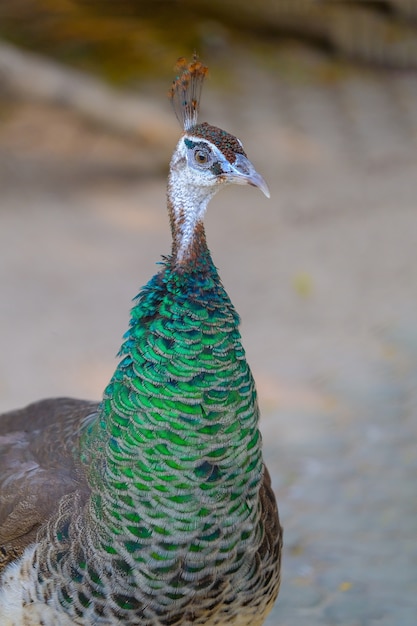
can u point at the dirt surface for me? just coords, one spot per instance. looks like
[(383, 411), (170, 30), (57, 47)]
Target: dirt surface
[(323, 275)]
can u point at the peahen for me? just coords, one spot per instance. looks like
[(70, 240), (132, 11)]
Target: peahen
[(154, 507)]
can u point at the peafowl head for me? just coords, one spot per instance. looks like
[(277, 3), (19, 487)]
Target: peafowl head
[(205, 160)]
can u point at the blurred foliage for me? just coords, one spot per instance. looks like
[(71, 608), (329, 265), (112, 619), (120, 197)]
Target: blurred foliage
[(117, 44), (125, 39), (303, 284)]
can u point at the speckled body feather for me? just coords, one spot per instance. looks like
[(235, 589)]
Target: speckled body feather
[(171, 519)]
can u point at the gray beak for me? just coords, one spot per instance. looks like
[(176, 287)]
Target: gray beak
[(242, 172)]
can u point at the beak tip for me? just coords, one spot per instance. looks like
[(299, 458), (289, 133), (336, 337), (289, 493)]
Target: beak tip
[(266, 192), (258, 181), (262, 186)]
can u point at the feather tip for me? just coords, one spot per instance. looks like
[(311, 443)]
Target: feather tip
[(185, 92)]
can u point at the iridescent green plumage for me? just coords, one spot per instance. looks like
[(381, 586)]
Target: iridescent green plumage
[(178, 427)]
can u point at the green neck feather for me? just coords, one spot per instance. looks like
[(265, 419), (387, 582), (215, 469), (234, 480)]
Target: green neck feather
[(179, 449)]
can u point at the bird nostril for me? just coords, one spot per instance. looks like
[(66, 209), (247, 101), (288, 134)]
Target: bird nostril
[(243, 168), (242, 165)]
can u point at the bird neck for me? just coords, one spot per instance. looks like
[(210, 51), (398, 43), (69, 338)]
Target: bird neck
[(186, 208), (177, 451)]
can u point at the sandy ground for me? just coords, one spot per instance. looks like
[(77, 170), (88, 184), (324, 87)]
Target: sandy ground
[(323, 275)]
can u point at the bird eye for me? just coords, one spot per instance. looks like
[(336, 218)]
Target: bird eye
[(201, 156)]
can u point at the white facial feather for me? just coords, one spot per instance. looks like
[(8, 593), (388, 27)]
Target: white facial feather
[(191, 187)]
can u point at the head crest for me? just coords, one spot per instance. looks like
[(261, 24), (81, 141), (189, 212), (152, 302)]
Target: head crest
[(186, 89)]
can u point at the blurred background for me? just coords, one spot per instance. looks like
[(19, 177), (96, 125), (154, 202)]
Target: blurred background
[(323, 93)]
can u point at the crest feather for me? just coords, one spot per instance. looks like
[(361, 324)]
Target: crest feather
[(186, 90)]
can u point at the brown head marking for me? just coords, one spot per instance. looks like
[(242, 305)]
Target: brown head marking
[(227, 143)]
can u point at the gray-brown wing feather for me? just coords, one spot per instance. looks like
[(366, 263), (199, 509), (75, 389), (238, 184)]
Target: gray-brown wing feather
[(38, 466), (270, 550)]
